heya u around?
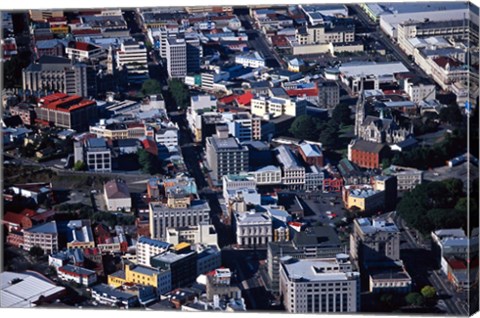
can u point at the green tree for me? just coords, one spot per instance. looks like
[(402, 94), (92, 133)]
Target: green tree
[(428, 292), (304, 127), (147, 161), (342, 114), (36, 251), (79, 166), (151, 86), (415, 299), (328, 134), (179, 92), (451, 114)]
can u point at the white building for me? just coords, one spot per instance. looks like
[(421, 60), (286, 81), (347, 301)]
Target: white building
[(77, 274), (419, 90), (314, 178), (98, 157), (117, 196), (147, 248), (80, 51), (167, 136), (243, 125), (276, 106), (293, 173), (407, 178), (319, 285), (253, 229), (202, 233), (132, 56), (185, 212), (176, 56), (166, 32), (267, 175), (237, 182), (252, 59)]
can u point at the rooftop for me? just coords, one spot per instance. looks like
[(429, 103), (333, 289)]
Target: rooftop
[(116, 190), (311, 150), (50, 227), (152, 242), (145, 270), (316, 269), (382, 223), (286, 157), (356, 69), (252, 217), (171, 257)]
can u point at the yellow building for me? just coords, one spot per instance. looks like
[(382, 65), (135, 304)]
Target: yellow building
[(363, 198), (143, 275)]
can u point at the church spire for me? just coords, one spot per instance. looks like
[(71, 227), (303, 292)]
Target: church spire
[(360, 108)]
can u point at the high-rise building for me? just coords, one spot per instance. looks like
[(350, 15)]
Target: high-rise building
[(176, 55), (147, 248), (225, 155), (179, 211), (319, 285), (132, 56), (194, 53), (53, 73)]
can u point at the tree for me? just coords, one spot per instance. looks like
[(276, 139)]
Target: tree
[(151, 86), (342, 114), (79, 166), (428, 292), (304, 127), (179, 92), (36, 251), (147, 161), (328, 134), (451, 114), (415, 299)]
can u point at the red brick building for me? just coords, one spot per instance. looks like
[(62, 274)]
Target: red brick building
[(367, 154), (311, 154)]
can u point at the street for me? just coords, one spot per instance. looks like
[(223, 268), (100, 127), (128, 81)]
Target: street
[(419, 264)]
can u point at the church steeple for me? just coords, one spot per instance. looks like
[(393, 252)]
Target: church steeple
[(360, 109)]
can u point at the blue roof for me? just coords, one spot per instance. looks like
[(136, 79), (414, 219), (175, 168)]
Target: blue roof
[(156, 243), (50, 227), (96, 143)]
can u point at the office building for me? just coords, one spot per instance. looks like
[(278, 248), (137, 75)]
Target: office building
[(293, 172), (67, 111), (132, 57), (95, 153), (181, 262), (146, 248), (193, 234), (54, 73), (313, 242), (161, 279), (180, 211), (117, 196), (253, 228), (176, 55), (44, 236), (319, 285), (225, 155)]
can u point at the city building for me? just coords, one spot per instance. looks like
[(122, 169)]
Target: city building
[(84, 52), (253, 229), (293, 173), (176, 55), (77, 274), (243, 126), (95, 154), (79, 234), (225, 155), (407, 178), (113, 296), (44, 236), (193, 234), (319, 285), (328, 94), (194, 52), (262, 106), (145, 275), (367, 154), (252, 59), (181, 262), (268, 175), (363, 198), (146, 248), (55, 73), (209, 257), (313, 242), (26, 290), (67, 111), (419, 89), (132, 57), (117, 196), (219, 282), (180, 211), (167, 136), (312, 154)]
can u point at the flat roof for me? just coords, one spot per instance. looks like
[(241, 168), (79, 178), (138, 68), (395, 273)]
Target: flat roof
[(315, 269), (382, 223), (356, 69)]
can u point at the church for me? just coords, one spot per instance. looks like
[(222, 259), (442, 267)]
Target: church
[(377, 129)]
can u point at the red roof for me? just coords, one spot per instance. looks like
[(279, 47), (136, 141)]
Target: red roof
[(393, 92), (457, 263), (13, 218), (150, 146), (279, 40), (442, 61), (301, 92), (244, 99), (135, 125), (65, 103), (227, 99), (83, 46), (28, 212), (85, 31)]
